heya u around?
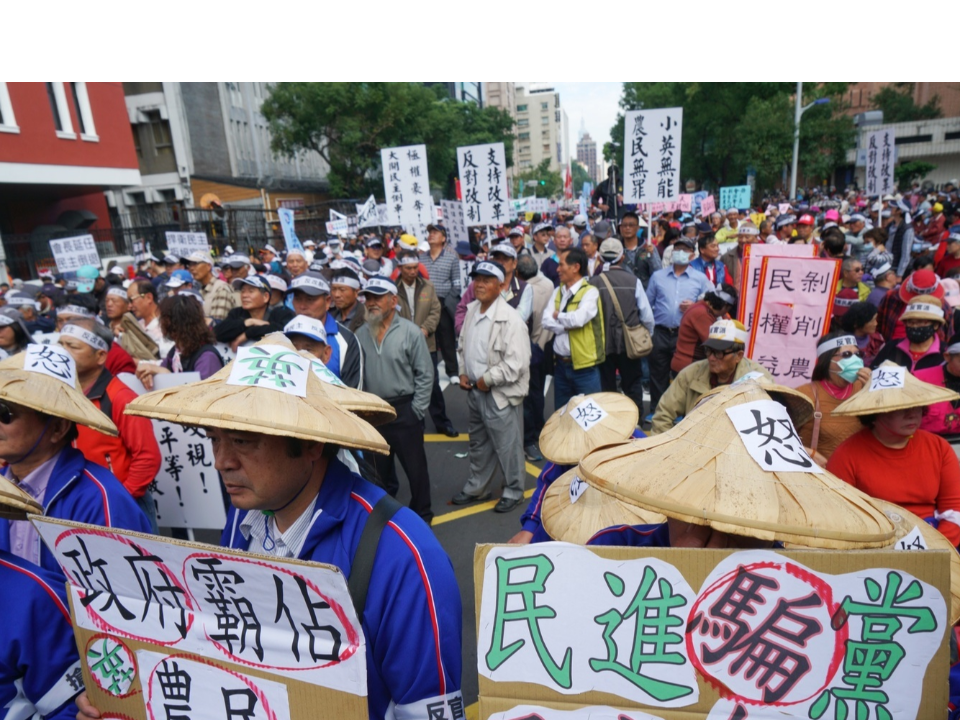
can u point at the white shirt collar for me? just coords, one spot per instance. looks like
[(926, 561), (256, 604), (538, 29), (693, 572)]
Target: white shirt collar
[(261, 531)]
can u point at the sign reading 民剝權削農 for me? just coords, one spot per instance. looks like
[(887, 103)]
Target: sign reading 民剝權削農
[(182, 244), (880, 162), (163, 624), (406, 186), (651, 149), (735, 197), (753, 254), (72, 253), (483, 183), (653, 633)]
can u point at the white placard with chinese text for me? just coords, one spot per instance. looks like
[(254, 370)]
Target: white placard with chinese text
[(880, 162), (454, 223), (271, 366), (367, 213), (406, 186), (888, 378), (587, 414), (51, 361), (483, 184), (287, 223), (768, 434), (72, 253), (651, 148), (181, 244)]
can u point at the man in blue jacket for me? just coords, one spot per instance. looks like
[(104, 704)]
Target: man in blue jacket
[(40, 403)]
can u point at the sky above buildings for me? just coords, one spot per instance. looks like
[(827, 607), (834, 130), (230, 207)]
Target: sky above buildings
[(596, 103)]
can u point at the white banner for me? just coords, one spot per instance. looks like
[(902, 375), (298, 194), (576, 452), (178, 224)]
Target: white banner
[(453, 222), (406, 186), (651, 149), (483, 182), (181, 244), (880, 162), (72, 253), (289, 234), (367, 213)]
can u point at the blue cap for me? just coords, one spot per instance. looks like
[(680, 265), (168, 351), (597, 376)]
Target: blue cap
[(463, 248)]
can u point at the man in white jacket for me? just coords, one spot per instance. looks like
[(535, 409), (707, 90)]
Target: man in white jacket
[(493, 354)]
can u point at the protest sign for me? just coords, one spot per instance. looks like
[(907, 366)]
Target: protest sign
[(735, 196), (367, 213), (453, 222), (753, 254), (210, 632), (708, 206), (651, 148), (72, 253), (683, 634), (406, 186), (337, 227), (880, 162), (181, 244), (686, 202), (287, 220), (793, 307), (483, 180), (784, 208), (538, 205)]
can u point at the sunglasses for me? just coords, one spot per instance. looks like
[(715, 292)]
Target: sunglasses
[(6, 414), (710, 352), (850, 353)]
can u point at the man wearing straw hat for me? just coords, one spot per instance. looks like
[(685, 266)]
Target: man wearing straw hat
[(39, 666), (293, 498), (40, 405)]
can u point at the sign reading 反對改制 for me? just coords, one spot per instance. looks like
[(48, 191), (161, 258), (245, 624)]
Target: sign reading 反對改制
[(804, 634)]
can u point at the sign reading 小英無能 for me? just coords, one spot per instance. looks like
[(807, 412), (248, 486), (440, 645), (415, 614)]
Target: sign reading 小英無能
[(880, 162), (72, 253), (651, 162), (483, 183), (406, 185), (735, 197)]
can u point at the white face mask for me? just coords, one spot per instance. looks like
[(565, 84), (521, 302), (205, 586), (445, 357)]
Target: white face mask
[(680, 257)]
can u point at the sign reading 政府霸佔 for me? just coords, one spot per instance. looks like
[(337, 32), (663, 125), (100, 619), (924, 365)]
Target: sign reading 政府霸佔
[(651, 155), (72, 253), (164, 625), (406, 185), (645, 633), (483, 183)]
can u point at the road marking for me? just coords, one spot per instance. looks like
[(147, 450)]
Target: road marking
[(533, 469), (462, 437), (482, 507)]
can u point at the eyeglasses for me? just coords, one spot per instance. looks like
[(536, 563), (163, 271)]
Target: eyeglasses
[(134, 297), (856, 269), (6, 414), (711, 352), (849, 354)]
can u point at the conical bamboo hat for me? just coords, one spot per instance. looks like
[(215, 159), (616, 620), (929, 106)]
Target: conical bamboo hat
[(564, 441), (913, 393), (15, 504), (46, 394), (799, 406), (578, 521), (253, 408), (700, 472)]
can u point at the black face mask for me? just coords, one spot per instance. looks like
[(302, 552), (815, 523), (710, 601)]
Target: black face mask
[(919, 335)]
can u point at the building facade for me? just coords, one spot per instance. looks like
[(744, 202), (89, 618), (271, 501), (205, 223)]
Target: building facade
[(587, 155), (62, 146), (542, 129)]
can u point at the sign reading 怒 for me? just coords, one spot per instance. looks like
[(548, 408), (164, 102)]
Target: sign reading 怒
[(769, 436), (798, 634), (406, 186), (271, 366), (72, 253), (192, 615), (181, 244), (587, 414), (577, 488), (367, 215), (651, 163), (735, 197), (888, 378), (453, 221), (880, 162), (51, 360), (483, 183), (753, 254), (792, 311), (287, 221)]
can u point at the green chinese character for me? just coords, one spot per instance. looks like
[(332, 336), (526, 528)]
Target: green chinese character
[(270, 368), (654, 620), (871, 660), (528, 612), (109, 666)]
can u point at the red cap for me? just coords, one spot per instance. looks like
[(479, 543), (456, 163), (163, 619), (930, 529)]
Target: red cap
[(805, 220), (922, 282)]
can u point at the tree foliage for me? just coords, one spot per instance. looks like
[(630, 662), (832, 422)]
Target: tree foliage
[(348, 124), (730, 128), (580, 176), (905, 173), (540, 181), (896, 101)]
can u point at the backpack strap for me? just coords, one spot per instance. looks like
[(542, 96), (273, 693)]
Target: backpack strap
[(362, 564)]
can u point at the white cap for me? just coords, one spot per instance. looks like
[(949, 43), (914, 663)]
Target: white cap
[(307, 326)]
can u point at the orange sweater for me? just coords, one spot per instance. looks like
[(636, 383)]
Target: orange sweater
[(833, 430), (922, 477)]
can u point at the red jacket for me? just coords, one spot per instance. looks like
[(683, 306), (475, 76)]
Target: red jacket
[(120, 361), (134, 456)]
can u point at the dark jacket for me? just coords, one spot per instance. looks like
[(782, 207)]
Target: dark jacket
[(232, 326), (624, 285)]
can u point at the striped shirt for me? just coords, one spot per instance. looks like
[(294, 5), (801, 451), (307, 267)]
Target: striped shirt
[(218, 299), (444, 272), (261, 531)]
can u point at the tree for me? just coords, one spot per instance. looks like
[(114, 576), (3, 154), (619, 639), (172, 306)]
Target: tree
[(731, 128), (896, 101), (580, 176), (540, 181), (348, 124), (905, 173)]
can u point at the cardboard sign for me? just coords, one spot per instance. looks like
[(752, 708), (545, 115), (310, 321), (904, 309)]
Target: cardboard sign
[(735, 197), (880, 162), (286, 225), (212, 632), (651, 149), (792, 312), (406, 186), (483, 182), (708, 206), (337, 227), (72, 253), (750, 272), (657, 632)]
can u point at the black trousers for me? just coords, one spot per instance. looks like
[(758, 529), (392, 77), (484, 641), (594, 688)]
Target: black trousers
[(664, 346), (404, 435), (631, 377), (533, 403), (438, 408), (446, 337)]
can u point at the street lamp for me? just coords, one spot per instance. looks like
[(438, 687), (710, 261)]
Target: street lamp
[(796, 135)]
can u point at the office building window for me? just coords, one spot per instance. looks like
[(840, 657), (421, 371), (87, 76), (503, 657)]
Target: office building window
[(521, 108), (523, 122), (81, 103), (160, 132), (544, 106), (58, 108), (8, 123), (137, 145), (524, 136)]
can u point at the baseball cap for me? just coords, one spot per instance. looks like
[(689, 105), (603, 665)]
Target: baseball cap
[(438, 228), (312, 283), (580, 220), (504, 248), (602, 230), (687, 242), (276, 283), (489, 268), (306, 326), (236, 261), (541, 227), (257, 281), (198, 257), (611, 250), (514, 232), (379, 286), (723, 334), (179, 278), (704, 228), (806, 220), (922, 282), (463, 248), (170, 259), (409, 240), (374, 242), (268, 249), (784, 220), (856, 217), (86, 277)]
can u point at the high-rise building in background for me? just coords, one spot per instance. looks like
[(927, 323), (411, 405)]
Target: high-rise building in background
[(503, 95), (542, 129), (463, 91), (587, 154)]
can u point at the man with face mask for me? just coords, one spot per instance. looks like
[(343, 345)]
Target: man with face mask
[(672, 290)]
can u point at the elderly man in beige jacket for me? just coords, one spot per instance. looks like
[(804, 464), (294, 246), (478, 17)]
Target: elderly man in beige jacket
[(494, 358)]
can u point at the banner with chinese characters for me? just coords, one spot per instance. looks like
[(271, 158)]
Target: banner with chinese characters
[(793, 309), (367, 213), (164, 625), (483, 182), (573, 633), (406, 186), (880, 162), (454, 223), (735, 197), (651, 155), (753, 255), (72, 253), (287, 225), (181, 244)]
